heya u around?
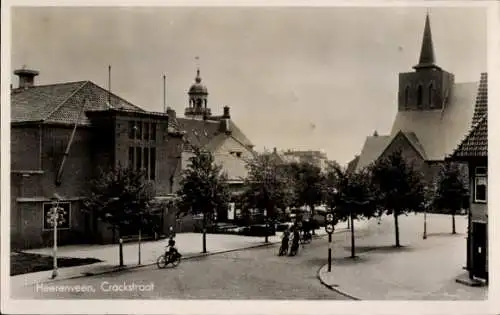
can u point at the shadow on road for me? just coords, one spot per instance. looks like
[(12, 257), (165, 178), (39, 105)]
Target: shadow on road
[(383, 249)]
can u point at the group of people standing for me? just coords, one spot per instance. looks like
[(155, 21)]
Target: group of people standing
[(291, 239)]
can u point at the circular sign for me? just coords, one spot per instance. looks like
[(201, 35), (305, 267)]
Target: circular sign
[(329, 229), (329, 217)]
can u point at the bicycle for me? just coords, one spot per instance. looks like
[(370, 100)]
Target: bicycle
[(168, 259)]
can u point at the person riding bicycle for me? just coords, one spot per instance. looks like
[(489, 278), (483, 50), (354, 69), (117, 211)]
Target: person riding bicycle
[(171, 249)]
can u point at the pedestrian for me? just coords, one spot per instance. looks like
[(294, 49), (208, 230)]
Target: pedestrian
[(295, 241), (284, 243)]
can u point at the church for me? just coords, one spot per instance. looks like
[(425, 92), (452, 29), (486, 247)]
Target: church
[(434, 115)]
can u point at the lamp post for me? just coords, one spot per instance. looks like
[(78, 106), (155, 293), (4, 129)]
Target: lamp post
[(55, 218)]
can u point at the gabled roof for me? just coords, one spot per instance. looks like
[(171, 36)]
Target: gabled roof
[(372, 148), (352, 165), (481, 107), (62, 102), (440, 131), (412, 138), (209, 133), (475, 143)]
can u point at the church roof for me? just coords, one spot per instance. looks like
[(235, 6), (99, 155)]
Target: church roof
[(439, 131), (433, 133), (62, 102), (372, 149)]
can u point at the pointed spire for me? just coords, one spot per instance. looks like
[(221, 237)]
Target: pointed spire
[(427, 59), (198, 77)]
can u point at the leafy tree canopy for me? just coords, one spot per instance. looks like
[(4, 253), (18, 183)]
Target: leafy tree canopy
[(120, 197), (204, 187)]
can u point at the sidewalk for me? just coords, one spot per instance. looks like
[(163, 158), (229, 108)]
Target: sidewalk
[(189, 244), (420, 270)]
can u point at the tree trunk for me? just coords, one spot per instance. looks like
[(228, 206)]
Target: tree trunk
[(353, 245), (312, 220), (396, 228), (266, 227), (454, 231), (204, 237)]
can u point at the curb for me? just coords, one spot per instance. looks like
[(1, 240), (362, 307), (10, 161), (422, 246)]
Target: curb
[(194, 256), (334, 288)]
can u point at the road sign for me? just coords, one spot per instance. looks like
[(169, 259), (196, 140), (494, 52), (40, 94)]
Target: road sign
[(329, 228), (329, 217)]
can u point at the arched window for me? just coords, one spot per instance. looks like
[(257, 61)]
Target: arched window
[(198, 103), (419, 95), (431, 94), (407, 95)]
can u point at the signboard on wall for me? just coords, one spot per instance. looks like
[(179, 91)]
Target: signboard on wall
[(231, 211), (63, 215)]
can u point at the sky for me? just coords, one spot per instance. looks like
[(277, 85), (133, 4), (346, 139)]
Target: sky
[(295, 78)]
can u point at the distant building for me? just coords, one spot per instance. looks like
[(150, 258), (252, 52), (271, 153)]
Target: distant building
[(434, 114), (317, 158), (474, 151), (110, 131)]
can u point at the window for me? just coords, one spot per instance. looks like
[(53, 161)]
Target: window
[(146, 131), (143, 159), (131, 157), (407, 95), (139, 131), (152, 164), (419, 95), (146, 162), (131, 130), (480, 185), (138, 158), (431, 94), (153, 131)]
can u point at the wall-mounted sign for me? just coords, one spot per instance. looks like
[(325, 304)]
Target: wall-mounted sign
[(63, 214)]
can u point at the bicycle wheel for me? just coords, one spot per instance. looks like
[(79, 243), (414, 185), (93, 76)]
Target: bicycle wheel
[(161, 262), (176, 261)]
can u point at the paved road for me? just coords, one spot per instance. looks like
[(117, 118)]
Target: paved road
[(248, 274)]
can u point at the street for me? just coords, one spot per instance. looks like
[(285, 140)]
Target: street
[(247, 274)]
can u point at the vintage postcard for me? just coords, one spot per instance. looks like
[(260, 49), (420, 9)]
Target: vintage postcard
[(244, 158)]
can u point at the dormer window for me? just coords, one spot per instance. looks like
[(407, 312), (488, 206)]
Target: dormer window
[(419, 95)]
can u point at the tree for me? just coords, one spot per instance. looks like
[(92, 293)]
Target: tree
[(268, 186), (308, 185), (400, 187), (451, 191), (121, 197), (352, 198), (204, 189)]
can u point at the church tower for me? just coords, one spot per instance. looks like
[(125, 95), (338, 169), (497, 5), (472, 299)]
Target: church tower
[(429, 86), (198, 95)]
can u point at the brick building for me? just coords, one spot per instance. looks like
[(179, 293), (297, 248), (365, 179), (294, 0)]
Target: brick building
[(473, 150), (109, 131), (434, 114)]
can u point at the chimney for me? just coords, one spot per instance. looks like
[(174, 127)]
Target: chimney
[(226, 113), (171, 113), (26, 77), (375, 134)]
